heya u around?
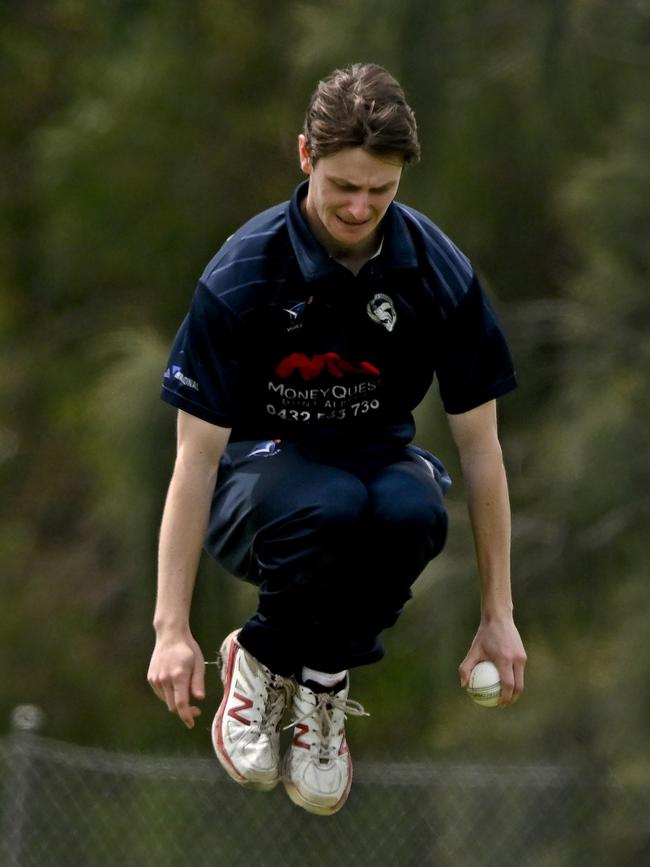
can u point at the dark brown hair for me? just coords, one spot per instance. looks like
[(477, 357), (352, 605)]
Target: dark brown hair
[(361, 106)]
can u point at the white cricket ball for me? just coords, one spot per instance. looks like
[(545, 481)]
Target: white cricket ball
[(485, 684)]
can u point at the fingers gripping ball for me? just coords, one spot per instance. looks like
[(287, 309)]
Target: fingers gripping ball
[(485, 684)]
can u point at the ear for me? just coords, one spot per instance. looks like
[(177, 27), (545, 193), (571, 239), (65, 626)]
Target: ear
[(304, 155)]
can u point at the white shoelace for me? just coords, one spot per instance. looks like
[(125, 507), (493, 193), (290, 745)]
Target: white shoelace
[(279, 691), (323, 712)]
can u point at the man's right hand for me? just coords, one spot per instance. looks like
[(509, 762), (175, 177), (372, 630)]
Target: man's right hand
[(176, 672)]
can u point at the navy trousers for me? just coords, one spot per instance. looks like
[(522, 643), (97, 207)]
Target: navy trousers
[(333, 541)]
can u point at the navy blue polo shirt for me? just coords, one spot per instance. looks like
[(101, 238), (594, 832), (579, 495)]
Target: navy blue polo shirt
[(282, 341)]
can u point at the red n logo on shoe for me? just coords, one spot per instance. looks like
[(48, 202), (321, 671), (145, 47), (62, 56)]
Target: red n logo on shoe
[(300, 729), (246, 704)]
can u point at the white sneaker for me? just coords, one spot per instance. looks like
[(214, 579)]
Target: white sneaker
[(245, 731), (317, 768)]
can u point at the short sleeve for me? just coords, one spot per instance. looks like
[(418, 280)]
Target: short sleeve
[(204, 373), (474, 364)]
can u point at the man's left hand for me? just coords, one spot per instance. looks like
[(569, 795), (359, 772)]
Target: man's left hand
[(498, 641)]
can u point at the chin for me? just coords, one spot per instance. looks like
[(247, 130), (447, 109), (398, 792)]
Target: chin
[(350, 237)]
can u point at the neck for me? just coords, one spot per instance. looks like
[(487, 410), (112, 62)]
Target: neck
[(355, 261)]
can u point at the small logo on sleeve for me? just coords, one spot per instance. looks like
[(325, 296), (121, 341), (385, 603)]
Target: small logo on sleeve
[(176, 373), (382, 311)]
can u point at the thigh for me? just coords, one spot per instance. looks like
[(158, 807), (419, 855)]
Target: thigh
[(269, 484), (265, 488)]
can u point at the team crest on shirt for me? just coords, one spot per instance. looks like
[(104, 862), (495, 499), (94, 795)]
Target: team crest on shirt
[(382, 311)]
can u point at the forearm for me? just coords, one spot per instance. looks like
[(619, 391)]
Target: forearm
[(489, 509), (182, 533), (176, 668)]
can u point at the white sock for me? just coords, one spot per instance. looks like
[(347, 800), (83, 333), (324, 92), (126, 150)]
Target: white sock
[(322, 677)]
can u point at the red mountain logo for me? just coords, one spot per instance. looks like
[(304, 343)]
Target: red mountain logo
[(309, 367)]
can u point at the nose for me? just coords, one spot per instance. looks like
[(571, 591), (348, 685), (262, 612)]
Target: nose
[(359, 208)]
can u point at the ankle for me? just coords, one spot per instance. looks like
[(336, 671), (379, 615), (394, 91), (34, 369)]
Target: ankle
[(322, 681)]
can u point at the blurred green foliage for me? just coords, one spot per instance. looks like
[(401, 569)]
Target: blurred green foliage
[(135, 137)]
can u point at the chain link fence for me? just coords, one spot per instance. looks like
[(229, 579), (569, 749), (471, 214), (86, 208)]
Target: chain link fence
[(70, 806)]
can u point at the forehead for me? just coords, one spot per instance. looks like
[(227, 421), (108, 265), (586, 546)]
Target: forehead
[(361, 168)]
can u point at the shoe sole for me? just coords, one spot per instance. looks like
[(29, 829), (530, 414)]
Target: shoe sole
[(317, 809), (227, 655)]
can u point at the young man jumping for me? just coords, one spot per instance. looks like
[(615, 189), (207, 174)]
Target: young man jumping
[(313, 334)]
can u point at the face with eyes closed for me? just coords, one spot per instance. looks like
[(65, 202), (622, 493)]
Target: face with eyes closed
[(349, 193)]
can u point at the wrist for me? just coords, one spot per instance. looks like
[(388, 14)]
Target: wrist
[(171, 627), (492, 612)]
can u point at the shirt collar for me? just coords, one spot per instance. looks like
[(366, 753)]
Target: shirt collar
[(397, 249)]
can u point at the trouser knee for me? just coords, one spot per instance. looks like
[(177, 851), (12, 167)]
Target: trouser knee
[(417, 527), (402, 548)]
